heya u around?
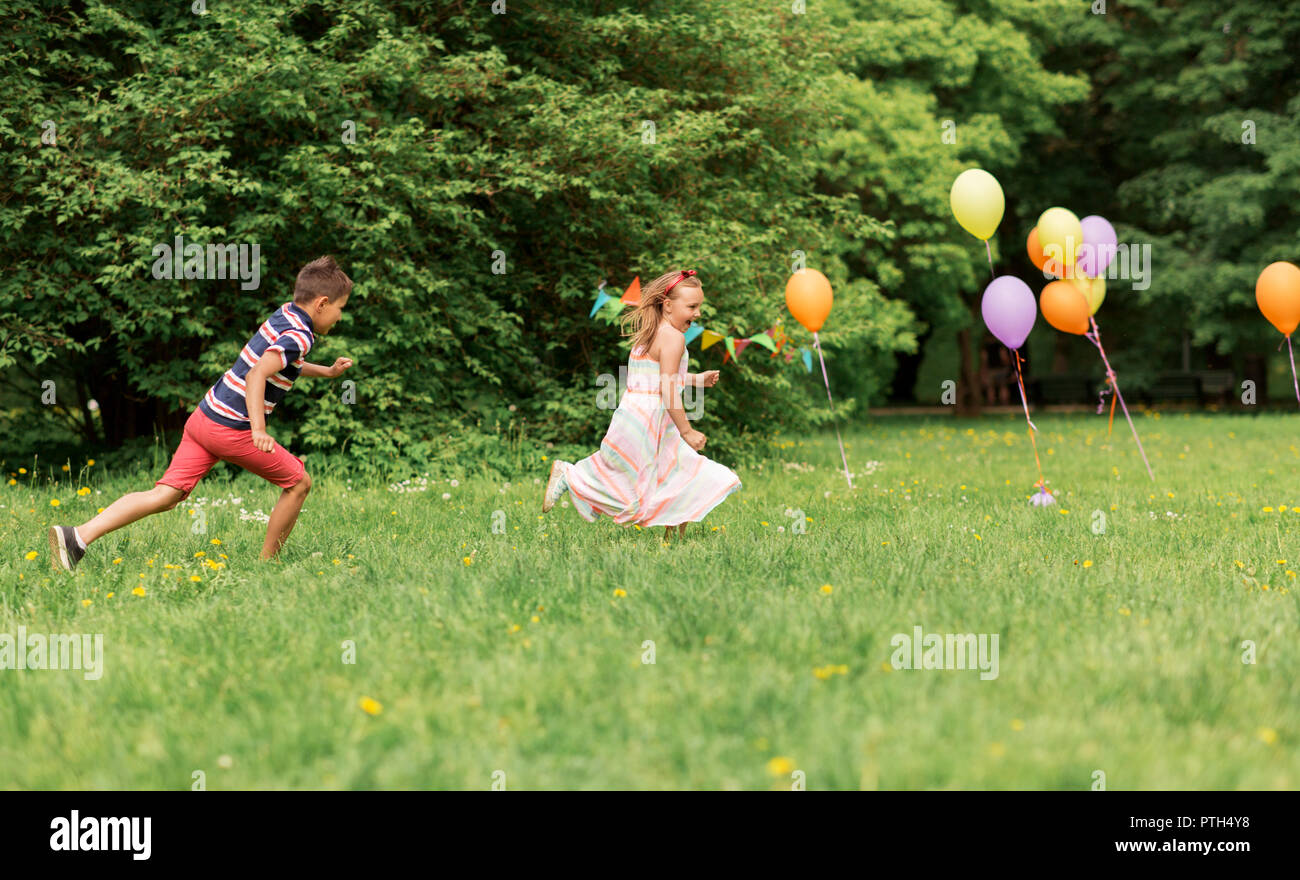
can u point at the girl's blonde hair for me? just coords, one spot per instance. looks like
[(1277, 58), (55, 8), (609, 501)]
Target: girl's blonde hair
[(645, 318)]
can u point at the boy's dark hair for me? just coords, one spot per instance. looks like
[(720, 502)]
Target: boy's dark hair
[(321, 277)]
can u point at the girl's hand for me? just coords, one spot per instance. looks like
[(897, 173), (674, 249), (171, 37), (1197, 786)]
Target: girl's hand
[(339, 366), (709, 379), (695, 440)]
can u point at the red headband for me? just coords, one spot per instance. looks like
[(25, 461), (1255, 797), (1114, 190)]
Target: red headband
[(680, 278)]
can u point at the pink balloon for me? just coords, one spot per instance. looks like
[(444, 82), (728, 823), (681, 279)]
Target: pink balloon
[(1009, 310), (1099, 244)]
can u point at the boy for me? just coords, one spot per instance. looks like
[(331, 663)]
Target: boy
[(229, 423)]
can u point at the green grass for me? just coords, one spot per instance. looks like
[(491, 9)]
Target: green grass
[(1132, 665)]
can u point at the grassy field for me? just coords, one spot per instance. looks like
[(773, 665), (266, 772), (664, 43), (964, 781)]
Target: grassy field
[(521, 649)]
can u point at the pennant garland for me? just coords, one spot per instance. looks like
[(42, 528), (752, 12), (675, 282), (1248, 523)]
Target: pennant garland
[(773, 339)]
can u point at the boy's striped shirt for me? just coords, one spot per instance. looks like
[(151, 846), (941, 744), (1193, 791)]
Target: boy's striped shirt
[(288, 332)]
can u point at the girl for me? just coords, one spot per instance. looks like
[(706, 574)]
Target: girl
[(649, 469)]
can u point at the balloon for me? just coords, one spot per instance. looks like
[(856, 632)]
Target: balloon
[(1059, 228), (1093, 290), (1101, 241), (808, 296), (977, 202), (1064, 307), (1038, 258), (1278, 294), (1008, 309)]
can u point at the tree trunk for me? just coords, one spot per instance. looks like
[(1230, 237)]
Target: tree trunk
[(969, 393)]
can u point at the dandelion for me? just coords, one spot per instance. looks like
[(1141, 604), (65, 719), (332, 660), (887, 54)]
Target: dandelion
[(83, 491), (535, 619), (827, 589), (22, 470), (1126, 612), (195, 578), (54, 502), (66, 468), (514, 627), (620, 593), (370, 707), (1267, 735), (216, 542), (30, 555), (468, 560), (110, 595), (90, 462), (86, 603), (1087, 563), (1017, 724), (138, 591), (780, 766)]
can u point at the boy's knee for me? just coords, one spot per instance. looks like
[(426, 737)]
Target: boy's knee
[(303, 486), (168, 497)]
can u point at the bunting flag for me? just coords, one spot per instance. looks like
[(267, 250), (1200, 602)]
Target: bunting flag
[(600, 301), (692, 333), (632, 296), (707, 338), (807, 359), (730, 342), (764, 339)]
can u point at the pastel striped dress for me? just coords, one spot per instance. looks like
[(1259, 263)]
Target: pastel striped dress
[(645, 473)]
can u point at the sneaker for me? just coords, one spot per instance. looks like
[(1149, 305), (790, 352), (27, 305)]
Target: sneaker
[(555, 485), (65, 552)]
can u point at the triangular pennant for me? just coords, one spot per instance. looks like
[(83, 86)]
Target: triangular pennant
[(740, 346), (730, 343), (692, 333), (707, 338), (632, 296), (600, 301), (764, 340), (807, 359)]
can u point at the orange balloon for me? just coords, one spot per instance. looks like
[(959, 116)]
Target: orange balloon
[(808, 296), (1037, 257), (1278, 294), (1064, 307)]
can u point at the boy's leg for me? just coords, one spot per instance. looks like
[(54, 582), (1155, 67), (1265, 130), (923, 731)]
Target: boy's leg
[(189, 464), (128, 509), (284, 516)]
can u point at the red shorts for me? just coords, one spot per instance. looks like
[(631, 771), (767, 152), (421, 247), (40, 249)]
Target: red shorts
[(204, 443)]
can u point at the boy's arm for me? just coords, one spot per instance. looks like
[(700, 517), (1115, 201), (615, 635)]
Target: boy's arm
[(316, 371), (255, 398)]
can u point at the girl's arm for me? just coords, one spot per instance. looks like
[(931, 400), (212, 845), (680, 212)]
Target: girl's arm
[(671, 348)]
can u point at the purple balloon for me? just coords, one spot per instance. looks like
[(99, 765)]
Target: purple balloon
[(1099, 243), (1009, 310)]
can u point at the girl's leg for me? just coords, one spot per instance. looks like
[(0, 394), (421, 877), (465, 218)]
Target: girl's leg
[(681, 530), (128, 509), (284, 516)]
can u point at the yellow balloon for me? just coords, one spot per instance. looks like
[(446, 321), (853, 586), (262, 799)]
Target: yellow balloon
[(977, 202), (1093, 290), (1059, 228)]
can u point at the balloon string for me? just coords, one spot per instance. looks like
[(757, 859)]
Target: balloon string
[(1111, 424), (843, 458), (989, 251), (1095, 338), (1041, 484), (1101, 404), (1291, 355)]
